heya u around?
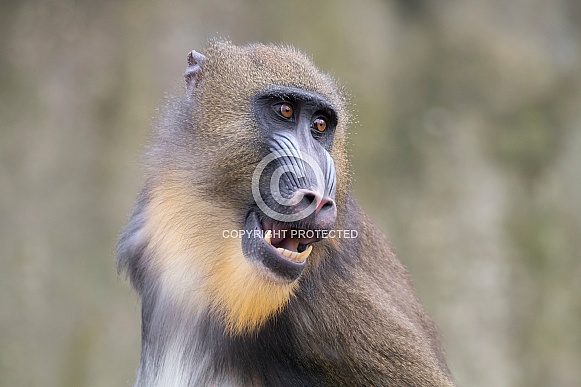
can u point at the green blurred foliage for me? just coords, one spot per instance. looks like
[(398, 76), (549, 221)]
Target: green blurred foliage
[(466, 147)]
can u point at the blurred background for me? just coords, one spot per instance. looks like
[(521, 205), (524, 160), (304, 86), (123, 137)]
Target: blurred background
[(466, 151)]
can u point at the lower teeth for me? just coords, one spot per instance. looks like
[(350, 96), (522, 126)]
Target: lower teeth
[(292, 255)]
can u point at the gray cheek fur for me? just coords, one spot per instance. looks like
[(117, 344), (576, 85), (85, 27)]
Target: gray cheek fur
[(174, 351), (131, 247)]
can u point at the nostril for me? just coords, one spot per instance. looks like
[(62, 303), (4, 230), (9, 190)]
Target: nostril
[(327, 204), (324, 206), (310, 198)]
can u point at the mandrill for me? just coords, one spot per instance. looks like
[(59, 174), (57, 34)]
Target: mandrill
[(254, 264)]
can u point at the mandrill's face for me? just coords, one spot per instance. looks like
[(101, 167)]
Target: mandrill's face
[(294, 184)]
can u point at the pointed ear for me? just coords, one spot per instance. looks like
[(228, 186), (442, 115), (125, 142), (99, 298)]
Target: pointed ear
[(193, 73)]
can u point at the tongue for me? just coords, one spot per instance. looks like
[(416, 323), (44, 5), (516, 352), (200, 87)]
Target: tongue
[(291, 244), (281, 237)]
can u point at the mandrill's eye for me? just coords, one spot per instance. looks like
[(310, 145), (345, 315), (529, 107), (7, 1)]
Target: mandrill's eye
[(320, 124), (285, 110)]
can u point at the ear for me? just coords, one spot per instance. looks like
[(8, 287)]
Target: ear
[(193, 72)]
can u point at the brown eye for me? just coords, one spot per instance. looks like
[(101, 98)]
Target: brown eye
[(320, 124), (286, 110)]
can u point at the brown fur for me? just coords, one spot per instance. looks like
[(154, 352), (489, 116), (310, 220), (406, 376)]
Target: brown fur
[(210, 315)]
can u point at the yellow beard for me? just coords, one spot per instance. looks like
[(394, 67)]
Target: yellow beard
[(199, 268)]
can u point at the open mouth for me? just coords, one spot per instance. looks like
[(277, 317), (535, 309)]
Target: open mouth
[(282, 247), (290, 243)]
